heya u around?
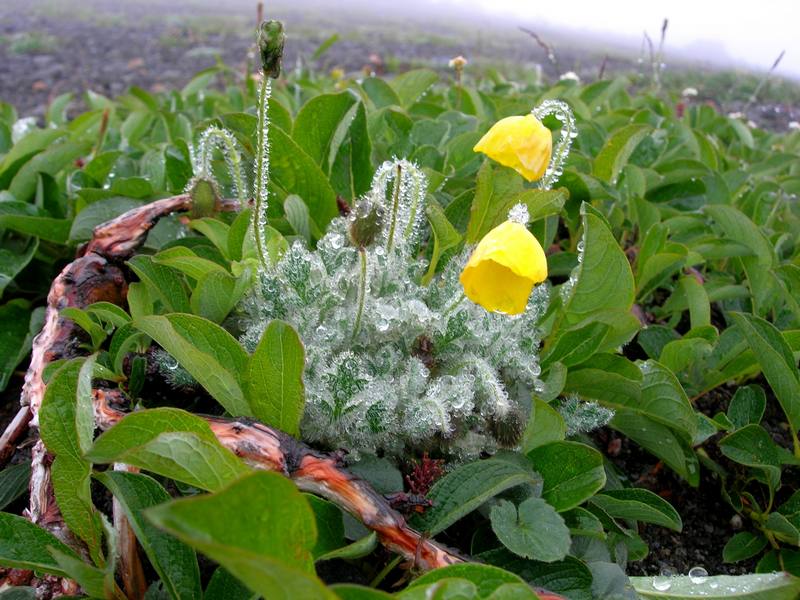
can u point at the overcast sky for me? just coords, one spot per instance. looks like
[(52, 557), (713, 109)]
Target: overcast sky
[(752, 33)]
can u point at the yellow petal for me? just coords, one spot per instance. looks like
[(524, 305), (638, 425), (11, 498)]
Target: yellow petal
[(503, 269), (522, 143)]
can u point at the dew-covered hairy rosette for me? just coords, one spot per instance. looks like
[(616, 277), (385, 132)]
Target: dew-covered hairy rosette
[(407, 350)]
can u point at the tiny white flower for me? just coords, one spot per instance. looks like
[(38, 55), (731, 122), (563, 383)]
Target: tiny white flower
[(735, 115), (794, 125), (570, 76), (689, 92)]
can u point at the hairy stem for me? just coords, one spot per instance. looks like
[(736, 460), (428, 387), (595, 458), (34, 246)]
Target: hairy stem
[(395, 208), (262, 173), (362, 290)]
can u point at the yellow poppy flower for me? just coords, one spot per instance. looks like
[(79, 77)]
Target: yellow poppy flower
[(503, 269), (522, 143)]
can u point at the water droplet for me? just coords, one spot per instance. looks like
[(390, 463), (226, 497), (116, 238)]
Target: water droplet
[(661, 583), (337, 241), (698, 575)]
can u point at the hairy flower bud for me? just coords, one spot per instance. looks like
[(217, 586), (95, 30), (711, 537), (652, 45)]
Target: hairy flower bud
[(366, 223), (271, 39), (205, 197)]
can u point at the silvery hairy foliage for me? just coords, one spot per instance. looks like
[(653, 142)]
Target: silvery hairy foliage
[(392, 363)]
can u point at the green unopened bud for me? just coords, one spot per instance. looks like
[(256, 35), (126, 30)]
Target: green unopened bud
[(271, 39), (205, 197), (366, 222), (508, 429)]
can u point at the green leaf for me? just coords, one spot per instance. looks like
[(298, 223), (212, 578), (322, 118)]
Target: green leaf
[(445, 237), (93, 580), (18, 593), (18, 326), (172, 443), (661, 441), (617, 150), (411, 85), (752, 446), (349, 591), (216, 231), (216, 294), (51, 161), (25, 218), (358, 549), (210, 354), (742, 546), (777, 362), (379, 92), (14, 482), (576, 345), (297, 214), (175, 563), (66, 421), (269, 549), (759, 268), (24, 545), (161, 282), (330, 526), (604, 279), (639, 505), (14, 258), (316, 124), (224, 586), (295, 172), (485, 577), (532, 530), (747, 406), (440, 590), (188, 262), (274, 383), (661, 399), (572, 473), (467, 487), (545, 425), (569, 577), (773, 586), (782, 529), (495, 193)]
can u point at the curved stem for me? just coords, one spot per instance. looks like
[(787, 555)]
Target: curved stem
[(262, 173), (362, 290), (217, 137), (561, 111)]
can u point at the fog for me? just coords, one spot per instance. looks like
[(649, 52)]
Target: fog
[(747, 34)]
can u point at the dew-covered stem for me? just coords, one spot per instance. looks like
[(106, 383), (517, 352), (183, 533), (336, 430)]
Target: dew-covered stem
[(215, 137), (362, 290), (262, 172), (561, 111), (395, 208)]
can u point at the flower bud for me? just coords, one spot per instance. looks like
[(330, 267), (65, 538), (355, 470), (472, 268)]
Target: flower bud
[(205, 197), (271, 39), (366, 222)]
